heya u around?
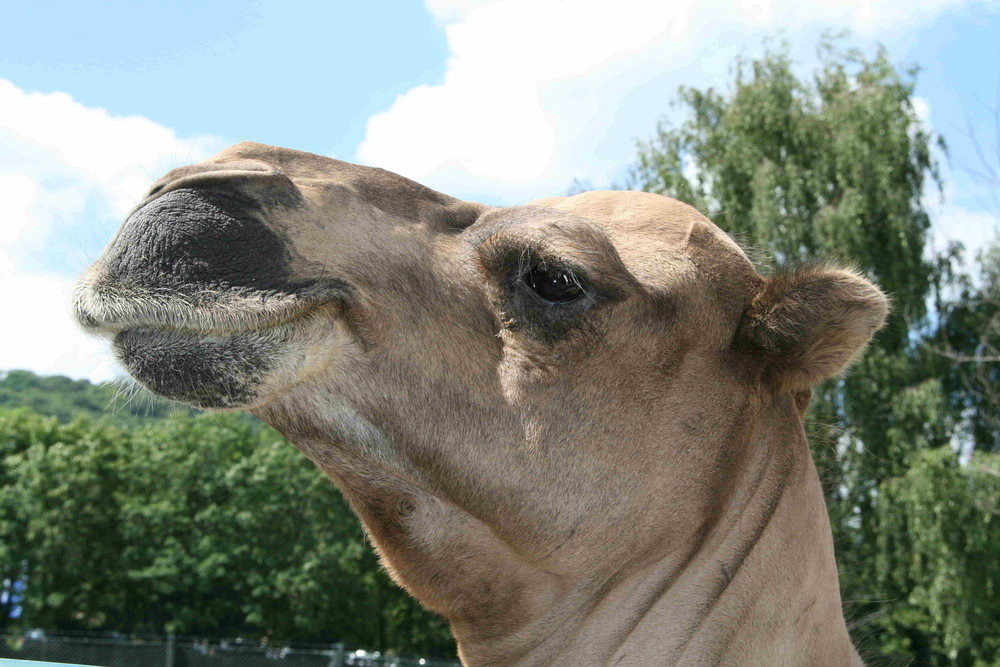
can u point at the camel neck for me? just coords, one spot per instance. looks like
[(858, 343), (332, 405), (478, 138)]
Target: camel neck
[(758, 585)]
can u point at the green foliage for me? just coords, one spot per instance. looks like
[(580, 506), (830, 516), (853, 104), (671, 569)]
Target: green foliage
[(835, 166), (59, 396), (206, 525), (937, 557), (830, 167), (57, 506), (969, 335)]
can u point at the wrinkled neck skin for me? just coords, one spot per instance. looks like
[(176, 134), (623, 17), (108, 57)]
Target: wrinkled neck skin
[(757, 587), (754, 584)]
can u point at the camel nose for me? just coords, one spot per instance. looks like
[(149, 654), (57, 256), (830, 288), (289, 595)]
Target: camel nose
[(204, 229)]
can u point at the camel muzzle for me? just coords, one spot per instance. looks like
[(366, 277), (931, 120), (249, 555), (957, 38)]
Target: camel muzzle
[(196, 291), (195, 240)]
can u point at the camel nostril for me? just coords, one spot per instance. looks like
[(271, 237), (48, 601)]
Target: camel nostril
[(256, 174)]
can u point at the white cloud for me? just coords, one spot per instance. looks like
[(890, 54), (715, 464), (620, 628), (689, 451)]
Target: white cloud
[(51, 136), (863, 16), (17, 192), (451, 10), (538, 92), (923, 110), (493, 118), (975, 230), (68, 174), (40, 335)]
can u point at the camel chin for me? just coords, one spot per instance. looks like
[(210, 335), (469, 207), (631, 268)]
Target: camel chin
[(223, 371)]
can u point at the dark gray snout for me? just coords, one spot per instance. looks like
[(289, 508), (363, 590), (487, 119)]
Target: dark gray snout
[(192, 239)]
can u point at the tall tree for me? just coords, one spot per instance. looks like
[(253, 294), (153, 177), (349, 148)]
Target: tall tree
[(969, 337), (938, 547), (834, 166)]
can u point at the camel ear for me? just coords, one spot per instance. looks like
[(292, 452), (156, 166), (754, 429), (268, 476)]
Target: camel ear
[(811, 322)]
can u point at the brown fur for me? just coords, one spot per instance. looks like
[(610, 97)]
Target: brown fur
[(619, 480), (810, 323)]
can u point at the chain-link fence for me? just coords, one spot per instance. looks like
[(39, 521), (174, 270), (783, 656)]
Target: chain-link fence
[(158, 651)]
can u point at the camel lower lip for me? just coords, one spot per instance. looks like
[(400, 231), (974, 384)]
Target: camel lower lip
[(209, 371)]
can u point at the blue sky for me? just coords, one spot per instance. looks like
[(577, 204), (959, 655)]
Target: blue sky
[(301, 75), (498, 101)]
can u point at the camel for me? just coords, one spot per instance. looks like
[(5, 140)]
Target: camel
[(573, 428)]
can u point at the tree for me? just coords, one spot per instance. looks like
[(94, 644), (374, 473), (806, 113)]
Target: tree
[(835, 166), (969, 336), (58, 517), (64, 398), (207, 525), (937, 555)]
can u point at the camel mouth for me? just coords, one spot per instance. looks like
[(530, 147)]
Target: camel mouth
[(214, 349)]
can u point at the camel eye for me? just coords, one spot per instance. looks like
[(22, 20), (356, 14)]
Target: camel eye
[(553, 284)]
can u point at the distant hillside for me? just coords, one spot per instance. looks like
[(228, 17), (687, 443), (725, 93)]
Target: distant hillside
[(64, 398)]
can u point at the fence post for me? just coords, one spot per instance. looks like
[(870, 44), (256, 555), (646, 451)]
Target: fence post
[(338, 657), (171, 646)]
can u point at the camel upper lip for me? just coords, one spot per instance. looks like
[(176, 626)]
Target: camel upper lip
[(107, 311)]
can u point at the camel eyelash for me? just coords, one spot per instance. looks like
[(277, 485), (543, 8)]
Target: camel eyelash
[(509, 262), (541, 295)]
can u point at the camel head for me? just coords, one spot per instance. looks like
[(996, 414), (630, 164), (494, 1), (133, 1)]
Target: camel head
[(536, 410)]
